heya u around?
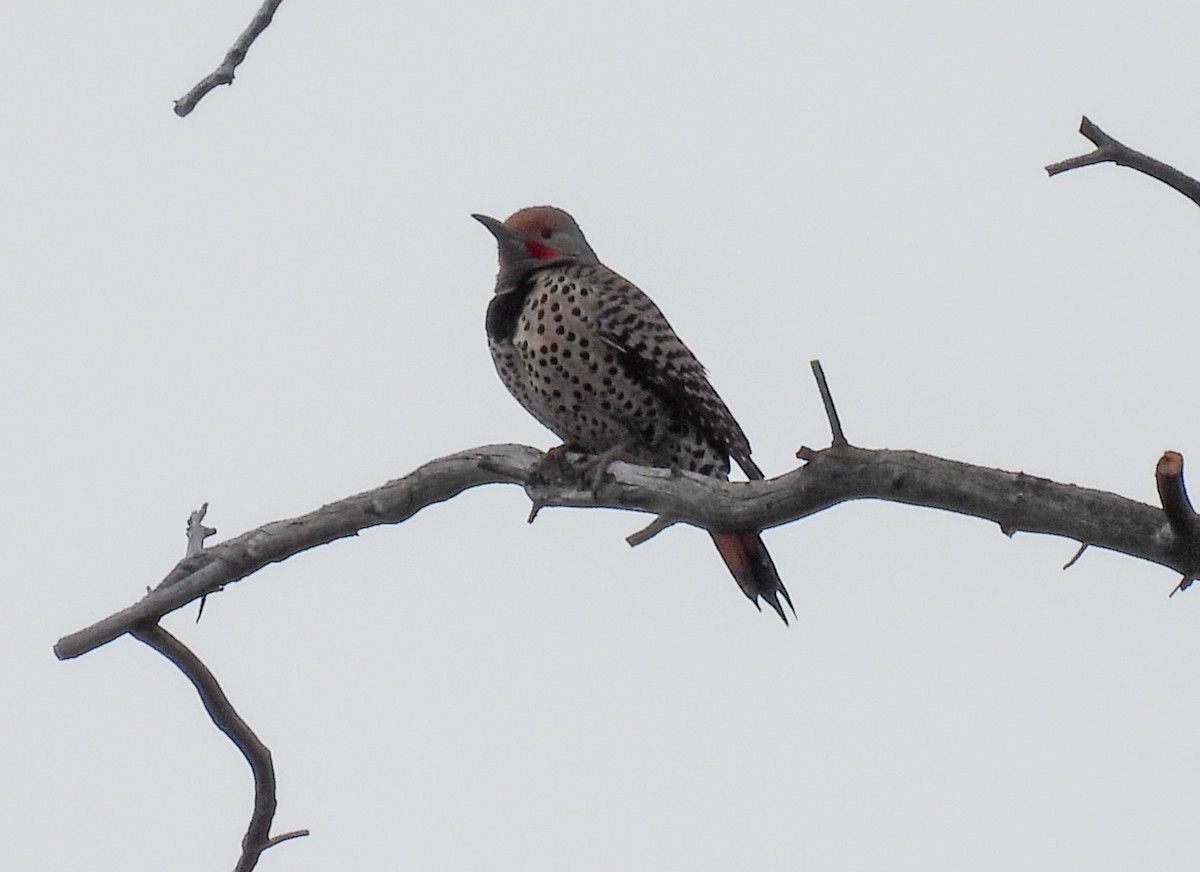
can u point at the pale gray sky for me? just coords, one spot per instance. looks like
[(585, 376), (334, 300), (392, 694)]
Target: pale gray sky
[(279, 301)]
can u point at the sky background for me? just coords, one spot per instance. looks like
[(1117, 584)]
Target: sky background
[(278, 301)]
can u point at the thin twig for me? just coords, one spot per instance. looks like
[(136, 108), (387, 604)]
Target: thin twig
[(284, 837), (835, 424), (1109, 149), (197, 532), (1078, 554), (229, 722), (650, 530), (223, 74)]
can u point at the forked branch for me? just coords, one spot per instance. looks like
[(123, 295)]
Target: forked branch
[(1110, 150)]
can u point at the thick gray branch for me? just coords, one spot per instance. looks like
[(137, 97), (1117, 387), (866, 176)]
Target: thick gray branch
[(1013, 500)]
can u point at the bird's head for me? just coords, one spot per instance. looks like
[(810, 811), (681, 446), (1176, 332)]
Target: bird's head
[(536, 237)]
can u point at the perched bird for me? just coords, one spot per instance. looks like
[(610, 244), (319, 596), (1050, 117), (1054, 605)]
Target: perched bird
[(594, 360)]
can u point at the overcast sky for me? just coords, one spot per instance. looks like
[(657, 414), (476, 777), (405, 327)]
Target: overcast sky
[(278, 301)]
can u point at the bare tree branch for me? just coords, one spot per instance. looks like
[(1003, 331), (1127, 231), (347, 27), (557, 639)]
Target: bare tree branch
[(1075, 558), (835, 423), (1109, 149), (1178, 508), (650, 530), (227, 562), (223, 74), (197, 532), (220, 709), (1168, 475), (1015, 501)]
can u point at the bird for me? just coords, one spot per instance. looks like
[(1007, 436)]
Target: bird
[(596, 362)]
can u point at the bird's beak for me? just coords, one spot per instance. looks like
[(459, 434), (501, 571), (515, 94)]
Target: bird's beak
[(509, 241), (498, 229)]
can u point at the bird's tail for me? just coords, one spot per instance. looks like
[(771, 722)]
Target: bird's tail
[(754, 571)]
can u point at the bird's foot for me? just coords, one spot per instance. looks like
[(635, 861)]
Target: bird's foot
[(595, 467), (567, 465), (556, 467)]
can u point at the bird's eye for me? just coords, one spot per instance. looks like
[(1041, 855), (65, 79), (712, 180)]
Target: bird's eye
[(547, 233)]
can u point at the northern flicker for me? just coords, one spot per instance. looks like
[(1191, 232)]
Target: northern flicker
[(594, 360)]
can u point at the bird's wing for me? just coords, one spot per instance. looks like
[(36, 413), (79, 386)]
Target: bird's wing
[(629, 322)]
